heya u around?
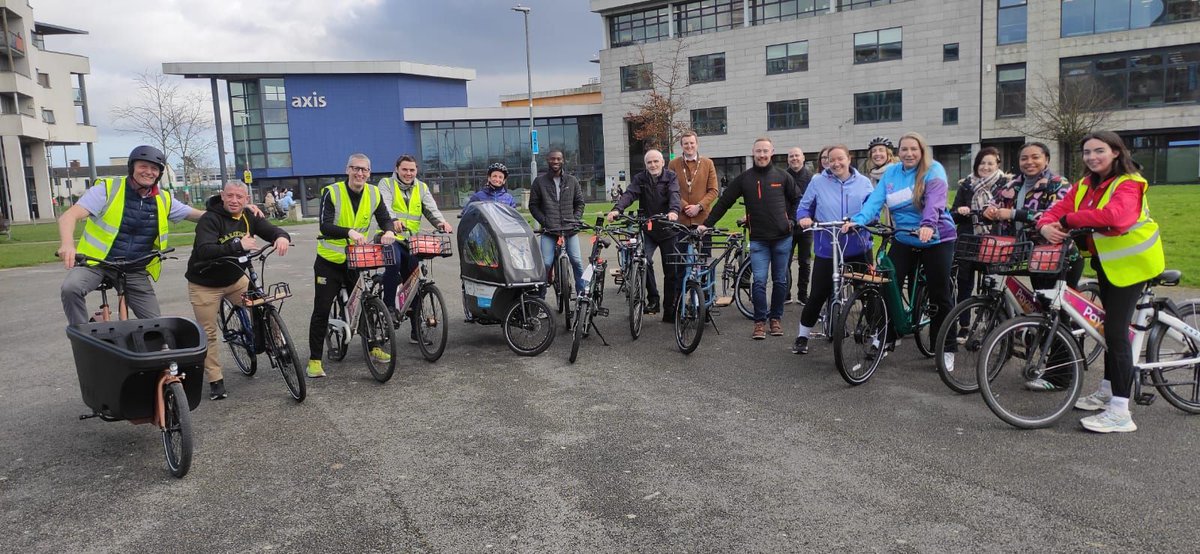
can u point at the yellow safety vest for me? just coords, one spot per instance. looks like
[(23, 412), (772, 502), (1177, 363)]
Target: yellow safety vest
[(407, 213), (100, 230), (334, 250), (1135, 255)]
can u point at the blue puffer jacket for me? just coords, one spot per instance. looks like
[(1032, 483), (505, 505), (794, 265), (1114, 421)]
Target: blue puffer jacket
[(139, 227), (828, 198), (489, 194)]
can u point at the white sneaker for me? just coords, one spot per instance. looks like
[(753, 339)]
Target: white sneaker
[(1093, 402), (948, 361), (1040, 384), (1109, 421)]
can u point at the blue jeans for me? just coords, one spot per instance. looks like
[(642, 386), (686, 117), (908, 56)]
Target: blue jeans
[(772, 255), (572, 245), (394, 275)]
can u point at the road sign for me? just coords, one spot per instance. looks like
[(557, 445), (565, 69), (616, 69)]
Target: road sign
[(247, 177), (533, 140)]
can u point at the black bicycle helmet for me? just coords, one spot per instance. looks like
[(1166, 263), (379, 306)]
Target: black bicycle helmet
[(881, 140), (498, 167), (148, 153)]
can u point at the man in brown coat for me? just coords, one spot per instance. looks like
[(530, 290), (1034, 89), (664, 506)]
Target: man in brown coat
[(697, 180)]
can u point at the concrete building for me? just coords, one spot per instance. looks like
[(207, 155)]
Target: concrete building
[(816, 72), (43, 103)]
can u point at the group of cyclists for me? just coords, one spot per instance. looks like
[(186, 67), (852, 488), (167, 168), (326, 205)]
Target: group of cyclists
[(128, 217)]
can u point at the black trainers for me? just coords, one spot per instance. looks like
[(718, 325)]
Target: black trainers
[(216, 390), (800, 346), (652, 306), (412, 339)]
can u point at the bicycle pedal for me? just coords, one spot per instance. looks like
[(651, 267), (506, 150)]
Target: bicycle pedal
[(602, 312), (618, 280), (1145, 399)]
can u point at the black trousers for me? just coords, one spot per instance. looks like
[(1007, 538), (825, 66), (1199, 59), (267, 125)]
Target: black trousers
[(822, 287), (1119, 303), (801, 252), (936, 260), (331, 278), (671, 286)]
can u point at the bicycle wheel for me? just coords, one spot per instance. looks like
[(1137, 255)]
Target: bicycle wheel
[(177, 429), (562, 276), (1019, 351), (743, 296), (635, 283), (377, 332), (238, 333), (282, 352), (689, 319), (529, 326), (970, 322), (430, 310), (860, 336), (1179, 385), (922, 321), (1092, 349), (337, 341), (581, 323)]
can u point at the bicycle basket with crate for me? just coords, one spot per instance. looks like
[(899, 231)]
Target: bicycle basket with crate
[(273, 293), (1049, 258), (369, 256), (993, 254), (866, 273), (430, 245)]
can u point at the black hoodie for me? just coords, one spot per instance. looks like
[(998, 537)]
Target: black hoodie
[(214, 238)]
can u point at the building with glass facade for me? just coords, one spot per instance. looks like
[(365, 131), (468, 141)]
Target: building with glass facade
[(816, 72)]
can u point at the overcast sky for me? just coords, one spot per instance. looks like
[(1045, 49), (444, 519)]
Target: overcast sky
[(126, 37)]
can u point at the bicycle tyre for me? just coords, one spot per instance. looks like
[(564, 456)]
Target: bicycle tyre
[(983, 315), (922, 321), (282, 351), (376, 328), (1011, 350), (1092, 349), (689, 319), (432, 330), (177, 429), (562, 271), (1169, 381), (337, 342), (636, 297), (863, 323), (581, 321), (238, 333), (526, 332), (743, 296)]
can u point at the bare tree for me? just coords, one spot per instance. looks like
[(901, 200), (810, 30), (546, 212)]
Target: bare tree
[(1063, 113), (168, 117), (654, 120)]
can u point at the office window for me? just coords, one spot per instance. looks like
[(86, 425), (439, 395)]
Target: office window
[(877, 46), (637, 77), (1011, 22), (860, 4), (48, 116), (787, 58), (1010, 90), (770, 11), (1137, 79), (877, 107), (949, 116), (707, 68), (950, 52), (709, 121), (1086, 17), (639, 27), (706, 16), (43, 79), (787, 114)]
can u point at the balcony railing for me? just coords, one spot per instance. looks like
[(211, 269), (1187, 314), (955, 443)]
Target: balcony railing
[(15, 44)]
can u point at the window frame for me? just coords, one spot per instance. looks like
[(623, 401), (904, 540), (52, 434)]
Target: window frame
[(643, 69), (950, 116), (706, 63), (787, 59), (800, 112), (950, 52), (1000, 92), (880, 99), (703, 128), (1010, 8), (877, 47)]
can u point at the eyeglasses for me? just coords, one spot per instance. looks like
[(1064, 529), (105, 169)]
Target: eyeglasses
[(358, 169)]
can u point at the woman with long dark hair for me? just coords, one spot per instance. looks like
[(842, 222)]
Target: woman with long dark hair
[(1126, 253)]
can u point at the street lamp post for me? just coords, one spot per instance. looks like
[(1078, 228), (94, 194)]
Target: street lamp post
[(529, 77)]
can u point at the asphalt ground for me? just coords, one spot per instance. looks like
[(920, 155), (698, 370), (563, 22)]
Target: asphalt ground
[(741, 446)]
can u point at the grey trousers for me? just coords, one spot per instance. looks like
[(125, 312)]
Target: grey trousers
[(80, 280)]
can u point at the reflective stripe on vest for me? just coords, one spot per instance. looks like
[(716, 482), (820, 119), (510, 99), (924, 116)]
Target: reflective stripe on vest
[(1135, 255), (100, 230), (407, 213), (334, 250)]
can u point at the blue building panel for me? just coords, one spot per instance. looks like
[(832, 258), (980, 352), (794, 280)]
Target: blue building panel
[(333, 116)]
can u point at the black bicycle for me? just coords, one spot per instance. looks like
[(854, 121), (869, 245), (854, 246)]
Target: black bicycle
[(631, 277), (589, 303), (257, 326)]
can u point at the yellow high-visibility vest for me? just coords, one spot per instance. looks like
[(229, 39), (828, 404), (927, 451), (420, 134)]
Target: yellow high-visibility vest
[(407, 213), (334, 250), (100, 230), (1135, 255)]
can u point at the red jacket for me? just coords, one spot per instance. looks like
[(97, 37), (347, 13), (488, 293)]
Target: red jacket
[(1121, 212)]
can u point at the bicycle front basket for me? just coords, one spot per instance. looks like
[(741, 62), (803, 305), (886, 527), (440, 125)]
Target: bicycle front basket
[(369, 256)]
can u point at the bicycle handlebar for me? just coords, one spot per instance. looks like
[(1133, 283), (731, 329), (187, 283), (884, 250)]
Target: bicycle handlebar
[(122, 265)]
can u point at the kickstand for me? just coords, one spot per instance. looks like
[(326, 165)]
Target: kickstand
[(592, 324), (709, 317)]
